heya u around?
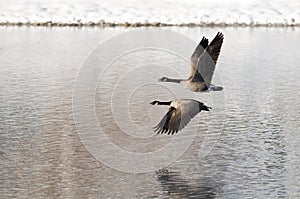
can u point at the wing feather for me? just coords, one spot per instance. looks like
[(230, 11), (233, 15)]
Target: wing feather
[(207, 61), (195, 56), (177, 118)]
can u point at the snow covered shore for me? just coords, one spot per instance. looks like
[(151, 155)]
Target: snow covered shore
[(150, 13)]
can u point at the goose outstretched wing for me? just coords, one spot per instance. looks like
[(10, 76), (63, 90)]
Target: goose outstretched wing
[(207, 61), (195, 56), (176, 119)]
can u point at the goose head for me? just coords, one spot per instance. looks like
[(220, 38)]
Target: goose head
[(163, 79), (154, 102)]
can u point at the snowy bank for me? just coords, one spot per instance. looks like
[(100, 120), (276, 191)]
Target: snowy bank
[(142, 12)]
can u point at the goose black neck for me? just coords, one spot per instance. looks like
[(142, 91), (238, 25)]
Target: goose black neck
[(174, 80), (164, 103)]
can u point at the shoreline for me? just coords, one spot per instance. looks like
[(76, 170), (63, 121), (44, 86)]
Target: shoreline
[(103, 24)]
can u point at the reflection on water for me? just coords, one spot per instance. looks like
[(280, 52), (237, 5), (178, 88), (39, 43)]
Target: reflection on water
[(174, 186), (257, 155)]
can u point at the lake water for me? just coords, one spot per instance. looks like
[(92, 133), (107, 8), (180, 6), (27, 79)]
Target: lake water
[(247, 146)]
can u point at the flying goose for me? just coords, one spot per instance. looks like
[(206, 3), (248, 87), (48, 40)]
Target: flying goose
[(179, 115), (203, 62)]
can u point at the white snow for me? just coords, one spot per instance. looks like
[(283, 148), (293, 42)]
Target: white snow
[(147, 11)]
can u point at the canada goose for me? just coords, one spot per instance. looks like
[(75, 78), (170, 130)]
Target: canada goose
[(203, 62), (179, 115)]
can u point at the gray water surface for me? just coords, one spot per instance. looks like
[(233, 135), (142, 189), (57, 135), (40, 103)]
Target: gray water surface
[(256, 154)]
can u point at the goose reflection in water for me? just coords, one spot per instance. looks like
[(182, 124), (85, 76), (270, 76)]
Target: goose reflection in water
[(176, 187)]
